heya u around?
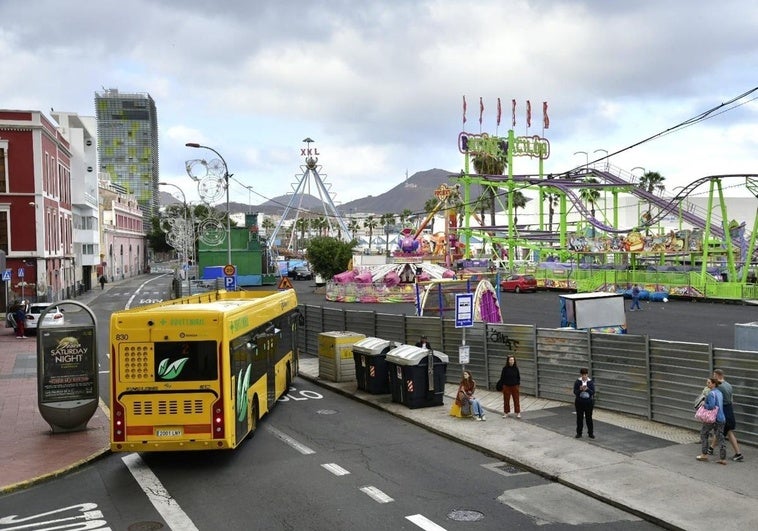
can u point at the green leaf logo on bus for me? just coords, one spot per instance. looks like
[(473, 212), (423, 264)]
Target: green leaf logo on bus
[(243, 383), (169, 372)]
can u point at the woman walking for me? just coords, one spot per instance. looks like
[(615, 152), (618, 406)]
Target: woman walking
[(510, 380), (714, 399), (465, 396)]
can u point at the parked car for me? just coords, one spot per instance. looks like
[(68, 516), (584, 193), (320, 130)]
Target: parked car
[(300, 273), (54, 316), (519, 283)]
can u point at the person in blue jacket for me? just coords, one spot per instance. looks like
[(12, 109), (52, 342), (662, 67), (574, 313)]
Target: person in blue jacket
[(713, 399)]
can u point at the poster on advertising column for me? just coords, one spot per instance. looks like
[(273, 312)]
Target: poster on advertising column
[(69, 365)]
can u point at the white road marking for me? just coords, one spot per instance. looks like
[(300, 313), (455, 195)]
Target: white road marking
[(129, 302), (292, 442), (376, 494), (166, 506), (335, 469), (424, 523)]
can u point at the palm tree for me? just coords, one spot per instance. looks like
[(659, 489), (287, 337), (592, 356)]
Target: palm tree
[(519, 201), (492, 162), (370, 223), (354, 227), (302, 225), (552, 202), (590, 195), (267, 225), (652, 182), (386, 221), (429, 207), (405, 216)]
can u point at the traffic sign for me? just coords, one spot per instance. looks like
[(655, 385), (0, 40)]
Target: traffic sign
[(20, 272), (464, 310), (285, 283), (229, 270), (230, 283), (7, 275)]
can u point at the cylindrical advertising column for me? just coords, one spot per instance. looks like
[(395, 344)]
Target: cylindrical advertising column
[(67, 376)]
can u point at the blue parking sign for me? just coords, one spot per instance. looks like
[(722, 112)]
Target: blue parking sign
[(230, 283)]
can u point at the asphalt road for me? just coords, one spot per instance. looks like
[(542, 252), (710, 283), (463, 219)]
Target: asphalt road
[(677, 320)]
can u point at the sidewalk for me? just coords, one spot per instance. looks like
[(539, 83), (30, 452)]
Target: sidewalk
[(643, 467), (29, 451)]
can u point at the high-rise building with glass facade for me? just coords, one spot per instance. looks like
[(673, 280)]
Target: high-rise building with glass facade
[(127, 134)]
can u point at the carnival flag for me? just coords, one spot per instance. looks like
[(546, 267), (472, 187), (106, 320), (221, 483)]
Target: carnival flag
[(545, 118), (464, 109), (499, 112), (513, 113), (528, 113), (481, 110)]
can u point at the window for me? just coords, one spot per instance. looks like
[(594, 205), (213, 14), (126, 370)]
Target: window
[(3, 173)]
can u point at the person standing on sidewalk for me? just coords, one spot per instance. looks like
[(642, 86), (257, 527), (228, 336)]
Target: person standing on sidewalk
[(584, 391), (20, 315), (635, 298), (465, 396), (714, 400), (730, 423), (510, 380)]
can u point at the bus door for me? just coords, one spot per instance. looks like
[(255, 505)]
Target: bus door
[(241, 369)]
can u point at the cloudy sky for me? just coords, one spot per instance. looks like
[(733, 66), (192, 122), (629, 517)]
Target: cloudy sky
[(379, 85)]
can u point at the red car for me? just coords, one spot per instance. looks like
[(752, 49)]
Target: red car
[(519, 283)]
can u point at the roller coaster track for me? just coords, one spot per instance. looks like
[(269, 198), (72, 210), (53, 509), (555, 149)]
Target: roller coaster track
[(664, 205)]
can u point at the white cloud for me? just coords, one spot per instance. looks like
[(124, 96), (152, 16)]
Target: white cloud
[(378, 85)]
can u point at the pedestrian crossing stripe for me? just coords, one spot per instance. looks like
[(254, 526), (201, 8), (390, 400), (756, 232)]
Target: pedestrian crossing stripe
[(285, 283)]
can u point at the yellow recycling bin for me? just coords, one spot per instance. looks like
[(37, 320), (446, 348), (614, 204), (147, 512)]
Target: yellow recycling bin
[(335, 355)]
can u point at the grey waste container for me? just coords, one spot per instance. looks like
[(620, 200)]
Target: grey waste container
[(371, 364), (409, 374)]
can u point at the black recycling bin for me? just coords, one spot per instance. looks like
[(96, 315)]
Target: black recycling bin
[(411, 381), (371, 365)]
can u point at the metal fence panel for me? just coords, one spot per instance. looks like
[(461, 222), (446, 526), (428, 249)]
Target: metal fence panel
[(391, 327), (560, 355), (334, 320), (362, 322), (512, 340), (619, 368), (677, 376)]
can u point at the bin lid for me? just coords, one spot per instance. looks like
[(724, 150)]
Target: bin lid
[(371, 346), (412, 355)]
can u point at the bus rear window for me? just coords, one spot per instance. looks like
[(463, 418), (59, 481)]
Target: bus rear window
[(185, 361)]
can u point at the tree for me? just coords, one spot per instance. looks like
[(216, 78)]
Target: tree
[(652, 181), (429, 207), (302, 225), (354, 226), (267, 225), (405, 216), (157, 237), (329, 256), (519, 201), (590, 195), (370, 223), (387, 220), (492, 160)]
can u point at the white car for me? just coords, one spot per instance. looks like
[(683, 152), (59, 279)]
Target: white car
[(54, 316)]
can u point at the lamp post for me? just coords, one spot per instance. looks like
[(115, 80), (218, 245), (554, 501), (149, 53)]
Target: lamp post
[(586, 159), (606, 156), (226, 184), (186, 240)]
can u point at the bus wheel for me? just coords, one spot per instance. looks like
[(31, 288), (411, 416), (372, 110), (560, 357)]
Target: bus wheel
[(253, 417)]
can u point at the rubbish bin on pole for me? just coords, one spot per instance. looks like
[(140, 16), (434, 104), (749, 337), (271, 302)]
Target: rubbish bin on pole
[(411, 381), (335, 355), (371, 364)]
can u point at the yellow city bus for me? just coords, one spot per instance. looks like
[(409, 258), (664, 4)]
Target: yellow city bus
[(197, 373)]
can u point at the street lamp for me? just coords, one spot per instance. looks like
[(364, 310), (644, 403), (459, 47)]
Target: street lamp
[(586, 159), (186, 239), (226, 183), (638, 168), (606, 156)]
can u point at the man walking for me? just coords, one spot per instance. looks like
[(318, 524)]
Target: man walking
[(635, 298), (731, 423)]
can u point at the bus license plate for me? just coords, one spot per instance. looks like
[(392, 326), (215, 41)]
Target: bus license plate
[(168, 432)]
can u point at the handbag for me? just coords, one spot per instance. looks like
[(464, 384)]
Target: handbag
[(499, 385), (706, 416)]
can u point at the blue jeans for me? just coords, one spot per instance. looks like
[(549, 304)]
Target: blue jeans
[(635, 304), (476, 408)]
